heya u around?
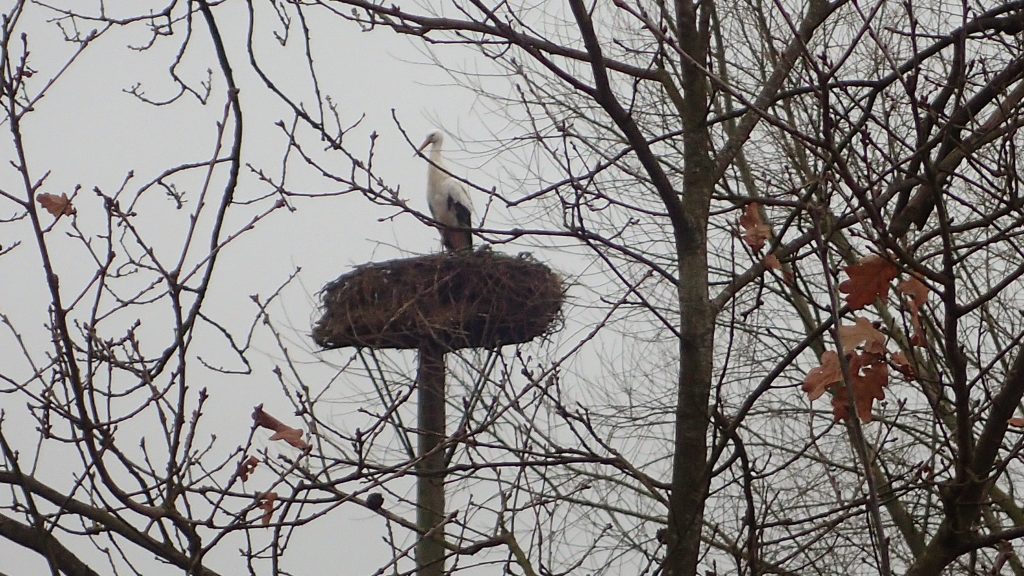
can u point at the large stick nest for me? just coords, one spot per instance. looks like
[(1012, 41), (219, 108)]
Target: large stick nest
[(476, 299)]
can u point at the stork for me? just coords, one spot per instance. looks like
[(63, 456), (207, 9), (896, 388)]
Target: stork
[(448, 199)]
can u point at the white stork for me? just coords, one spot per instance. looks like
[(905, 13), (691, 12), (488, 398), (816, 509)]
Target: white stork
[(448, 200)]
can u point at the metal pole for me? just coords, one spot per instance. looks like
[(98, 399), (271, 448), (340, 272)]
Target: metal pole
[(430, 468)]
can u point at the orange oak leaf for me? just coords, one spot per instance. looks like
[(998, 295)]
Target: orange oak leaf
[(755, 231), (861, 332), (903, 365), (825, 375), (868, 377), (915, 289), (56, 205), (246, 467), (282, 431), (869, 279), (917, 294), (771, 262), (266, 503), (1017, 422)]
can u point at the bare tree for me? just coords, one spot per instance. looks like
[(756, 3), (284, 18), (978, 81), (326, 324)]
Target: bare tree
[(758, 204)]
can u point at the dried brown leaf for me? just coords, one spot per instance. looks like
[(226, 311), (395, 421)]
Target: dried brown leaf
[(903, 365), (755, 231), (869, 279), (266, 503), (281, 430), (915, 289), (917, 295), (292, 436), (57, 206), (861, 333), (246, 467), (869, 375), (820, 378)]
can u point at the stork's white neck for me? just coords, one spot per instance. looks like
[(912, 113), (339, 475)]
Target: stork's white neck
[(435, 174)]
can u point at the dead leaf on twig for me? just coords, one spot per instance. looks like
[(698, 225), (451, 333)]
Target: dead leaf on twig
[(56, 205), (266, 503), (869, 279), (281, 430), (755, 231)]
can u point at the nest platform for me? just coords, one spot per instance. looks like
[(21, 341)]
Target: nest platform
[(479, 299)]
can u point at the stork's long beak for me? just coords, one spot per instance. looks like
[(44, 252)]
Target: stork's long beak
[(422, 146)]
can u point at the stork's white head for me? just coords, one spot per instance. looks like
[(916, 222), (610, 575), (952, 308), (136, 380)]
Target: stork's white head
[(435, 137)]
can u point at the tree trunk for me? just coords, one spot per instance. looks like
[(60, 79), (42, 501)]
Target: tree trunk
[(697, 314)]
